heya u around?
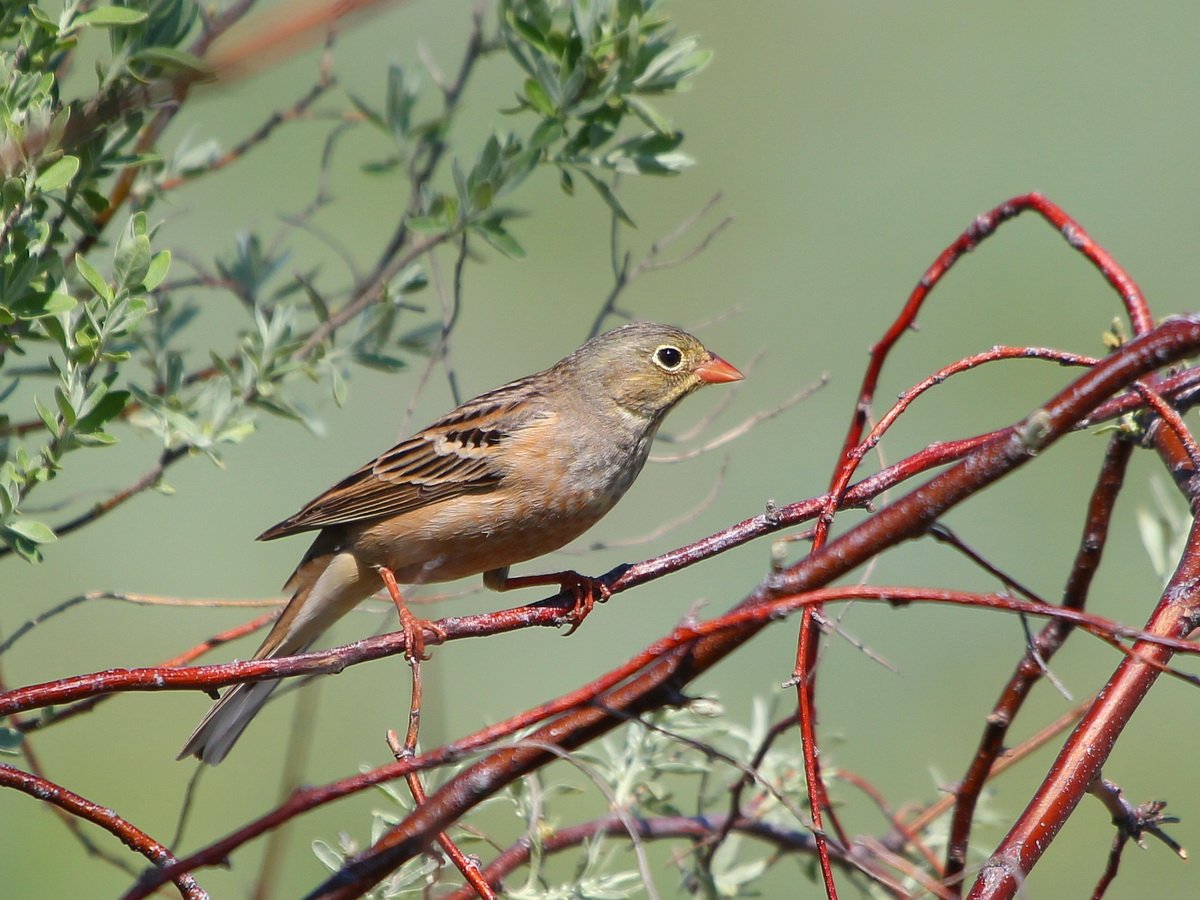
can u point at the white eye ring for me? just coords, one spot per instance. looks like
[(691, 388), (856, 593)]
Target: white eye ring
[(668, 357)]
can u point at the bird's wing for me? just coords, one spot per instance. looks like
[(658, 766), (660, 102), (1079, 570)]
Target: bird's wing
[(457, 454)]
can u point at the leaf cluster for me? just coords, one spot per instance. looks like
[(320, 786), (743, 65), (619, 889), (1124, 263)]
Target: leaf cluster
[(588, 71), (69, 322), (679, 763), (94, 333)]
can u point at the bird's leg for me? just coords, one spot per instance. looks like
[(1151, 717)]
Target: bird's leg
[(584, 590), (413, 628)]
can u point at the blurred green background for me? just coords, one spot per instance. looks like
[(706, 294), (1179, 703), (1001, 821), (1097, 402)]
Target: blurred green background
[(852, 142)]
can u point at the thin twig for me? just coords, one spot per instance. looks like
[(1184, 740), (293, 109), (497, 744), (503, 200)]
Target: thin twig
[(744, 427)]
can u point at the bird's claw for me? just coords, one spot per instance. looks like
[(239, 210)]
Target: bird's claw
[(587, 592), (414, 638)]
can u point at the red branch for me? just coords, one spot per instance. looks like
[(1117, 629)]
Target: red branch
[(660, 684), (1033, 664), (983, 227), (658, 676), (684, 636), (1079, 762), (1007, 448), (130, 835)]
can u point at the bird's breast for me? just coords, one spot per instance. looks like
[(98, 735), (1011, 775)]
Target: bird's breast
[(553, 490)]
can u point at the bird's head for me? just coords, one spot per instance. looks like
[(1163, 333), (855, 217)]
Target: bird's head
[(647, 368)]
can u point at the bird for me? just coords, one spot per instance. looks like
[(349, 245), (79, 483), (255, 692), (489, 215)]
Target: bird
[(511, 475)]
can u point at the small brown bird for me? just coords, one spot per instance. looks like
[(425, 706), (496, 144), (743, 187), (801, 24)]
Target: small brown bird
[(511, 475)]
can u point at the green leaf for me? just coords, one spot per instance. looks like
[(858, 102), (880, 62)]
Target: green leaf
[(670, 67), (367, 112), (339, 387), (496, 235), (327, 856), (609, 197), (529, 32), (547, 132), (47, 415), (649, 154), (379, 361), (64, 406), (94, 278), (58, 175), (173, 61), (481, 195), (94, 439), (11, 741), (537, 97), (23, 547), (54, 328), (108, 407), (426, 224), (410, 280), (460, 181), (39, 15), (381, 166), (112, 17), (649, 115), (157, 270), (96, 201), (32, 530), (401, 98), (59, 303), (131, 261)]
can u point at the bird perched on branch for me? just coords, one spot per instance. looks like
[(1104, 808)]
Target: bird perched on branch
[(509, 476)]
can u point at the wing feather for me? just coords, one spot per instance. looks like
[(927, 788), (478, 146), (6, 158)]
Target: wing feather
[(455, 455)]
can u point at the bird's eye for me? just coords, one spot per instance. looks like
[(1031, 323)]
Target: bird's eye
[(668, 357)]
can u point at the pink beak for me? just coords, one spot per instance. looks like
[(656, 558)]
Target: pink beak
[(717, 371)]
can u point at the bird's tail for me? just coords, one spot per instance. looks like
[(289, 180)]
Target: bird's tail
[(325, 588)]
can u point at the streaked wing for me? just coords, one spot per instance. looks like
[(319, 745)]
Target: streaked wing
[(455, 455)]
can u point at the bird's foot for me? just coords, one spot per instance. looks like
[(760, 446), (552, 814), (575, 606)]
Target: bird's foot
[(413, 628), (415, 636), (586, 592)]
